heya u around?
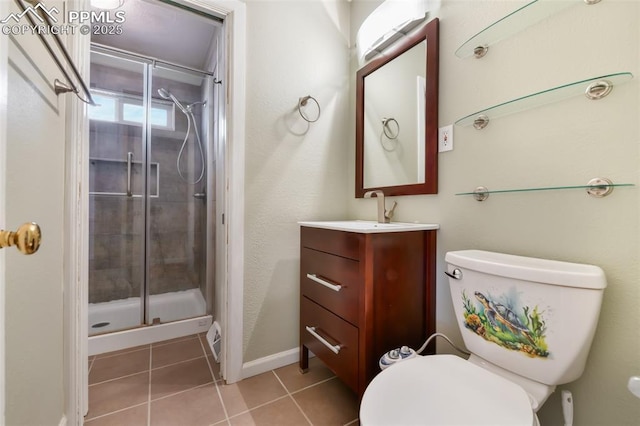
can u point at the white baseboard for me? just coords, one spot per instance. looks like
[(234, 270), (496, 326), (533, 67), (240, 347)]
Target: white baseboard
[(63, 421), (271, 362)]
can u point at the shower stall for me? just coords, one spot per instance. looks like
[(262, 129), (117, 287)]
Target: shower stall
[(151, 197)]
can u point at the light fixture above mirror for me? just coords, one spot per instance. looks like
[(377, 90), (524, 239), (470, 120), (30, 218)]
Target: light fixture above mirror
[(389, 22)]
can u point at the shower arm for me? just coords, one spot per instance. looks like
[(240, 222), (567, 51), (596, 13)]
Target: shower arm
[(191, 105)]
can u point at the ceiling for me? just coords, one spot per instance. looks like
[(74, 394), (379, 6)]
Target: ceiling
[(165, 32)]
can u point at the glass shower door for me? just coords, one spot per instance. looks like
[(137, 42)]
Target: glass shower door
[(177, 220), (117, 194)]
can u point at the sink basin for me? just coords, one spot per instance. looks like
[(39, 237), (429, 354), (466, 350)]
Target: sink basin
[(367, 227)]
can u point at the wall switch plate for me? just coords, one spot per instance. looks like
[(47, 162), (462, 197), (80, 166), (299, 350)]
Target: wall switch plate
[(445, 138)]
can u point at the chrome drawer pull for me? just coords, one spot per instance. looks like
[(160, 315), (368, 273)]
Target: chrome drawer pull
[(333, 348), (327, 284)]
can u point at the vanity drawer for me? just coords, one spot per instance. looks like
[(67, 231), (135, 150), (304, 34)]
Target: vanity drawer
[(331, 281), (340, 243), (326, 326)]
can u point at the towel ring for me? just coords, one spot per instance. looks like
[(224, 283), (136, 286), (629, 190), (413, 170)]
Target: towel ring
[(302, 102), (389, 135), (388, 132)]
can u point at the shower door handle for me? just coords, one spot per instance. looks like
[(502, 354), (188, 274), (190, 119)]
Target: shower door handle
[(129, 163)]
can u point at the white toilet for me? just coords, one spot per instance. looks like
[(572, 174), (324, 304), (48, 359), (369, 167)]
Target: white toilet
[(528, 324)]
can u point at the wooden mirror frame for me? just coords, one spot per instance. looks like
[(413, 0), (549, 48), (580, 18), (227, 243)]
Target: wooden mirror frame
[(428, 32)]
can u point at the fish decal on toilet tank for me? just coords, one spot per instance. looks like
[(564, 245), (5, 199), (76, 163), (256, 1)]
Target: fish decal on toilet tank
[(502, 321)]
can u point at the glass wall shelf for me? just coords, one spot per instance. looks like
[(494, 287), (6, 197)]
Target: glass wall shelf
[(593, 88), (513, 23), (597, 187)]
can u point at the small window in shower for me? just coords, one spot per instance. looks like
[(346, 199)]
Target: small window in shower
[(159, 116), (105, 108), (127, 109)]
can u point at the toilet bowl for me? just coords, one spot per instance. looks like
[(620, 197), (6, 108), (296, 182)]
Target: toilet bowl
[(518, 319), (444, 390)]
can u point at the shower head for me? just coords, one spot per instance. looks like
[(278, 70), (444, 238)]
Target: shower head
[(165, 94)]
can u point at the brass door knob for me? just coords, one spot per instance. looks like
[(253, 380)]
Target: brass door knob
[(26, 238)]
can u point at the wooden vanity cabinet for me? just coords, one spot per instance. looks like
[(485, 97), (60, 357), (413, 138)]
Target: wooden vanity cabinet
[(363, 294)]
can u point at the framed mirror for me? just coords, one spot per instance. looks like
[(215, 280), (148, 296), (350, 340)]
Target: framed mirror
[(397, 117)]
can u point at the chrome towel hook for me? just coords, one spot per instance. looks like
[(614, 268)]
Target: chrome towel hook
[(302, 102)]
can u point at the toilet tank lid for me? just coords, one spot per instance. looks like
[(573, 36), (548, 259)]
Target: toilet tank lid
[(529, 268)]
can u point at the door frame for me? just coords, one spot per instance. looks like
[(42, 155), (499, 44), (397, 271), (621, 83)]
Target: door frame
[(76, 240), (4, 70)]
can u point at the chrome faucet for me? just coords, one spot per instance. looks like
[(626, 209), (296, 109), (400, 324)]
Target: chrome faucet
[(384, 216)]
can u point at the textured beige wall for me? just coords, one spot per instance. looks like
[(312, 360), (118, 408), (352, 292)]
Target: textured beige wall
[(300, 48), (294, 171), (566, 143)]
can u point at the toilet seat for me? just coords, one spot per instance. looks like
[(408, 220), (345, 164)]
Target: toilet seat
[(443, 390)]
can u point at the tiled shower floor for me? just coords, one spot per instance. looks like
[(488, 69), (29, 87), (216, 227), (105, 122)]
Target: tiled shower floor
[(177, 383)]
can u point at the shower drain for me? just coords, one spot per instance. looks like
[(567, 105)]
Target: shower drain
[(101, 324)]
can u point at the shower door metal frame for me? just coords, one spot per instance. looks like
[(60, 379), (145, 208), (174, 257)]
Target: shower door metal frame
[(210, 83), (149, 64), (146, 166), (146, 146), (149, 59)]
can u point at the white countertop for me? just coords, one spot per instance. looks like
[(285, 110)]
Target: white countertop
[(369, 227)]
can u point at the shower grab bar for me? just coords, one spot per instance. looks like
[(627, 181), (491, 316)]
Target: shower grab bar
[(333, 348), (129, 163), (334, 287), (58, 87)]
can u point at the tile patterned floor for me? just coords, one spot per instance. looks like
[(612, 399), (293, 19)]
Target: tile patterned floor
[(177, 383)]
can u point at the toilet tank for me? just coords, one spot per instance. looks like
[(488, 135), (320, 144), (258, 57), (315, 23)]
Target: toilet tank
[(533, 317)]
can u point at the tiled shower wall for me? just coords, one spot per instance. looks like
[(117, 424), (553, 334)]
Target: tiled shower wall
[(117, 223)]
